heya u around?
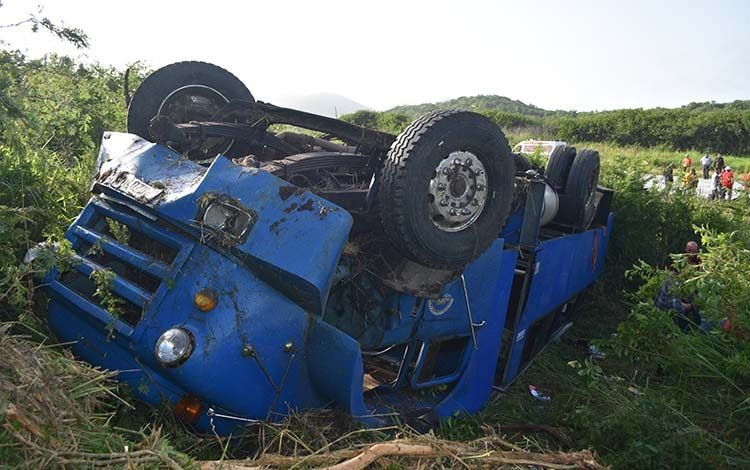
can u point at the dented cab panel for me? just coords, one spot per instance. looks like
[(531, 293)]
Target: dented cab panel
[(295, 237)]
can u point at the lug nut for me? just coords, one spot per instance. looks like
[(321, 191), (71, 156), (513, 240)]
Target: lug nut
[(478, 171), (453, 211), (480, 187), (465, 211), (441, 186), (446, 171), (457, 162), (469, 162), (444, 203)]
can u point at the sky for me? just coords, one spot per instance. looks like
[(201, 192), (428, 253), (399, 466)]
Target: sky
[(575, 55)]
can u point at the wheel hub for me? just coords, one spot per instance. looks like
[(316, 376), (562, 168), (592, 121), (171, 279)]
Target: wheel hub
[(457, 192), (196, 103)]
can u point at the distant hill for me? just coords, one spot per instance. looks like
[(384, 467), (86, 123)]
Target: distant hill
[(699, 126), (325, 104), (480, 102), (737, 105), (507, 105)]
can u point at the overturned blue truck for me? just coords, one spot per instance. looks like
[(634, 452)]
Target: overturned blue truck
[(255, 270)]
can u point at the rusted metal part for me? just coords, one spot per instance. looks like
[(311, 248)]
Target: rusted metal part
[(186, 137), (308, 143), (294, 164), (376, 255), (265, 114), (130, 184)]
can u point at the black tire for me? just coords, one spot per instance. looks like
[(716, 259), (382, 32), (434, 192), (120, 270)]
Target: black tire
[(578, 206), (522, 163), (160, 86), (558, 166), (404, 200)]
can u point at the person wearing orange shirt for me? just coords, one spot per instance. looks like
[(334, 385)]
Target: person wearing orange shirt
[(687, 162), (727, 181)]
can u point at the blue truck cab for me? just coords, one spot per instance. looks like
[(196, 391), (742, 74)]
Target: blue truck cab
[(238, 294)]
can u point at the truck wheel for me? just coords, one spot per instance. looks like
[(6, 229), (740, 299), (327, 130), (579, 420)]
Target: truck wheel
[(558, 166), (446, 188), (578, 206), (184, 92), (522, 163)]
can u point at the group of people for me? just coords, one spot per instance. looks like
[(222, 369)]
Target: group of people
[(723, 177)]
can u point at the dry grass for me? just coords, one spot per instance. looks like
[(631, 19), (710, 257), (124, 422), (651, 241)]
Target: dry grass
[(55, 411)]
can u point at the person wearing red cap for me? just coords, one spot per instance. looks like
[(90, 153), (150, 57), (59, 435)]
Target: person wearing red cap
[(727, 181)]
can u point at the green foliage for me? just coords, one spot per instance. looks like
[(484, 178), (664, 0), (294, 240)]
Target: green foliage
[(718, 130), (387, 121), (705, 375), (704, 127), (59, 105), (53, 112), (103, 279), (652, 223)]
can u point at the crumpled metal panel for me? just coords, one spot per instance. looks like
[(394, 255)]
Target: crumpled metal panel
[(295, 242)]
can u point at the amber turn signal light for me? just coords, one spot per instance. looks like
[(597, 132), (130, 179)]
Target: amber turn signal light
[(205, 300), (188, 409)]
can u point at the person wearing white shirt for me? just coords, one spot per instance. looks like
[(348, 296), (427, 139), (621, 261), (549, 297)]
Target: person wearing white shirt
[(706, 163)]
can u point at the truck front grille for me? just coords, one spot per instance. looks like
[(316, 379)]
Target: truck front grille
[(138, 254)]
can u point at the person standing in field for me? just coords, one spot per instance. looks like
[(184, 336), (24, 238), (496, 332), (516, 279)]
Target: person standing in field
[(727, 181), (719, 163), (717, 192), (687, 162), (669, 174), (706, 164), (690, 180)]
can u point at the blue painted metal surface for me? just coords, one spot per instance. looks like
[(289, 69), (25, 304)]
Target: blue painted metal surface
[(269, 346), (295, 243)]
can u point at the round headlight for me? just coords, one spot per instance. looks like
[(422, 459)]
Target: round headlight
[(173, 347)]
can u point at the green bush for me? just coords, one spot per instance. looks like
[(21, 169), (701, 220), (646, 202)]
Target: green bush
[(53, 112)]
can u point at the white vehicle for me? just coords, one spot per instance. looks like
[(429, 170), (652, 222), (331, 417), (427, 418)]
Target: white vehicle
[(531, 146)]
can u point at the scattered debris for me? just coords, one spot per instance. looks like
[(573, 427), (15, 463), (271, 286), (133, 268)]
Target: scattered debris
[(596, 353), (635, 391), (537, 394)]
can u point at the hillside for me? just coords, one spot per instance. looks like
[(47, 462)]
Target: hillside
[(736, 105), (697, 126), (508, 105), (325, 104), (483, 102)]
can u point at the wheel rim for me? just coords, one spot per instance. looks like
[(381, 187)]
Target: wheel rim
[(196, 103), (588, 205), (457, 192)]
